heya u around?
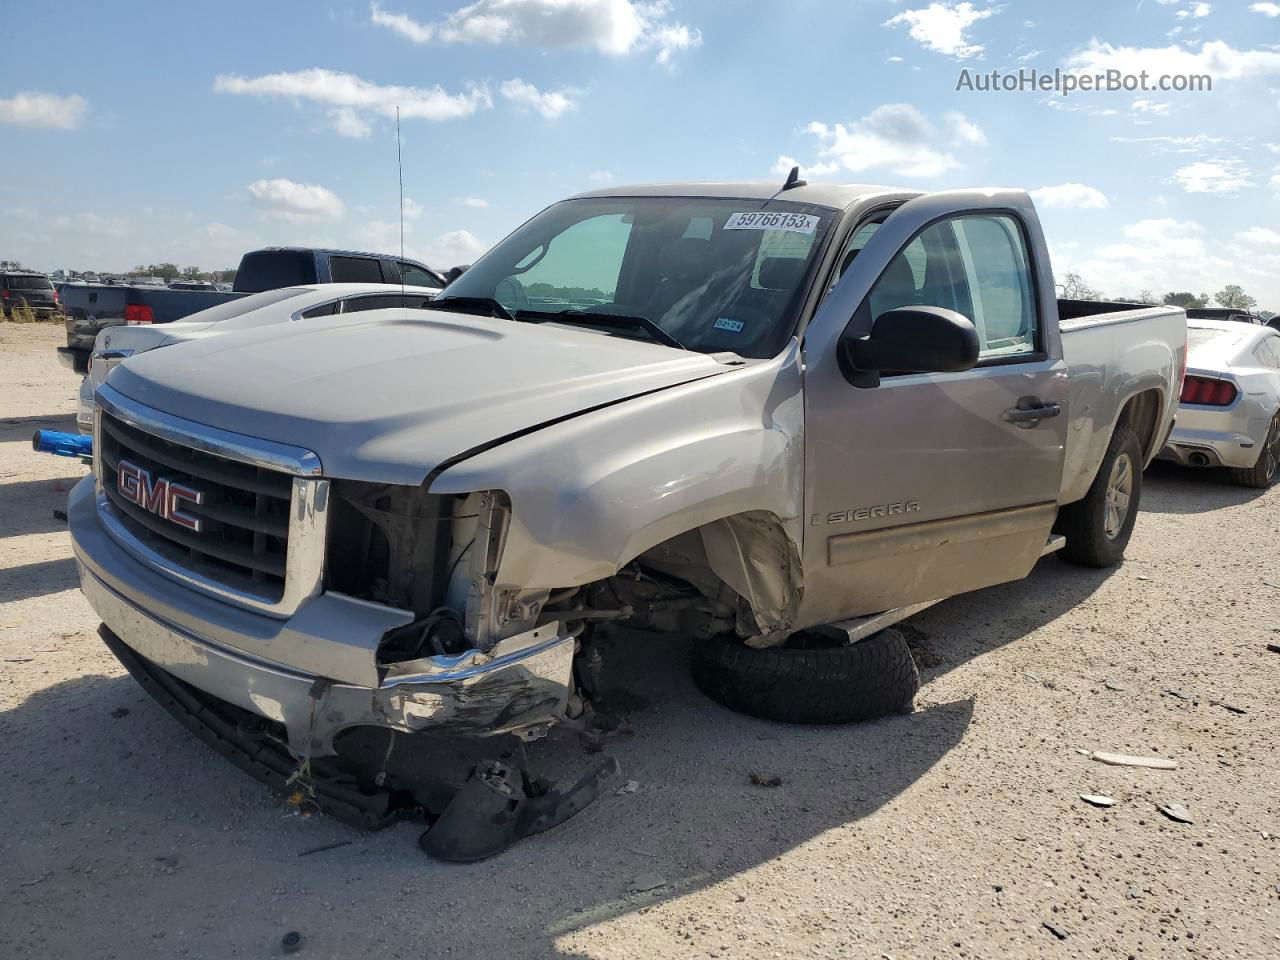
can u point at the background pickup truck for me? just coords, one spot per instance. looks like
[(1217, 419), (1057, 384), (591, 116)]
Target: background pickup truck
[(784, 419), (90, 307)]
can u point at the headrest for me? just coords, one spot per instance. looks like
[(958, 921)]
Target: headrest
[(687, 257), (781, 273)]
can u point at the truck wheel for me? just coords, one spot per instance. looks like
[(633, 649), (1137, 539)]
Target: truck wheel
[(861, 681), (1098, 527), (1263, 473)]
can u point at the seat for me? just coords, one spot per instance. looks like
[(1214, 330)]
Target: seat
[(684, 266)]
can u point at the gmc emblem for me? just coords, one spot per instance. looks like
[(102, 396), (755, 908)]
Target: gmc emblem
[(162, 497)]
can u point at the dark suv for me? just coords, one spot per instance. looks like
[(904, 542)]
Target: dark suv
[(33, 289)]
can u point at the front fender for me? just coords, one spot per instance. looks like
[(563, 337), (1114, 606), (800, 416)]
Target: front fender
[(592, 492)]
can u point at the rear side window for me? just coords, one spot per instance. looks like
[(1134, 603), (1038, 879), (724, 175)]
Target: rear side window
[(19, 282), (382, 301), (355, 270), (272, 269), (1268, 352)]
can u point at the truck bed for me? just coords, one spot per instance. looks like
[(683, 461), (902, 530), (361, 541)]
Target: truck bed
[(1114, 350)]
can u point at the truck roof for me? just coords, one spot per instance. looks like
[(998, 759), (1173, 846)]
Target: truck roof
[(834, 195)]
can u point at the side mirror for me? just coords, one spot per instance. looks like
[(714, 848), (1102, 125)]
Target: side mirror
[(909, 340), (455, 272)]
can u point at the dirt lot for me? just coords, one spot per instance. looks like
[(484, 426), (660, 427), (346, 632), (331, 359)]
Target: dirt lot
[(956, 831)]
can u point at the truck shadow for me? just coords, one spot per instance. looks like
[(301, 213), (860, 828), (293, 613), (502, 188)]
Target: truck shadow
[(38, 579), (28, 505), (1169, 488), (13, 427), (199, 841)]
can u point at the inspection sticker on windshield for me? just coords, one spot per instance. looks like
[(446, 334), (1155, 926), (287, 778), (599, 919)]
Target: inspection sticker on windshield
[(764, 220), (733, 326)]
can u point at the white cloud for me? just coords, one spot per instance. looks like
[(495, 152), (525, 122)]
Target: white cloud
[(1259, 237), (1210, 176), (1070, 196), (402, 24), (1197, 10), (353, 100), (782, 166), (283, 199), (1266, 9), (549, 103), (941, 26), (1215, 58), (476, 202), (87, 221), (349, 123), (411, 209), (600, 176), (899, 138), (615, 27), (43, 110), (1158, 254), (454, 247)]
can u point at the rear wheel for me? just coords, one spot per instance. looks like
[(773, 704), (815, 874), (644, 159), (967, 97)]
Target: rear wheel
[(1263, 473), (1098, 527), (835, 684)]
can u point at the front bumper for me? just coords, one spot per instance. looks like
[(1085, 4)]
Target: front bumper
[(316, 671)]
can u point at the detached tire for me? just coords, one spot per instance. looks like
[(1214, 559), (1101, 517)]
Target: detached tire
[(1263, 473), (1098, 527), (863, 681)]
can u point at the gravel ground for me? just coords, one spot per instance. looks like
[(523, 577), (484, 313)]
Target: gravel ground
[(956, 831)]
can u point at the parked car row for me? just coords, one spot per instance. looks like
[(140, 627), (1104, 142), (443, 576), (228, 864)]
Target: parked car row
[(90, 307)]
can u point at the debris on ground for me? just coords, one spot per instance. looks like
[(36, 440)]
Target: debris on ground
[(1113, 686), (1177, 693), (1176, 812), (1231, 707), (1274, 647), (327, 846), (1097, 800), (648, 881), (291, 942), (760, 780), (1060, 934), (1120, 760), (119, 713), (631, 786)]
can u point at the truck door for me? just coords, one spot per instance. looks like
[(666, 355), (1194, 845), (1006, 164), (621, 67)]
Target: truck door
[(931, 484)]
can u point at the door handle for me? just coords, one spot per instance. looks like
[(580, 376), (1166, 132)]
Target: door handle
[(1032, 413)]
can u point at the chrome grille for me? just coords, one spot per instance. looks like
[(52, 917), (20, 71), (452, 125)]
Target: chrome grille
[(244, 513), (253, 514)]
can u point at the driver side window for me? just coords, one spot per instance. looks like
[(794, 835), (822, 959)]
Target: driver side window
[(580, 267), (976, 266)]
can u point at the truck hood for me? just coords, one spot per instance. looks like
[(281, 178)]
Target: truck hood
[(391, 396)]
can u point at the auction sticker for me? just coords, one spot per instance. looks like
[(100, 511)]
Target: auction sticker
[(766, 220)]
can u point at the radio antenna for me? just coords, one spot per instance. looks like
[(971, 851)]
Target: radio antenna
[(400, 171)]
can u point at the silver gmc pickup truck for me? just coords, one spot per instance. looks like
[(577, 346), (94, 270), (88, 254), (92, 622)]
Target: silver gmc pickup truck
[(774, 420)]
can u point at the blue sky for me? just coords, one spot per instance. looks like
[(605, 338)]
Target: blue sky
[(144, 132)]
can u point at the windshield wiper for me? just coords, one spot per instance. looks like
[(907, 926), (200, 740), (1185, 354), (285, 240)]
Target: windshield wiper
[(591, 318), (481, 306)]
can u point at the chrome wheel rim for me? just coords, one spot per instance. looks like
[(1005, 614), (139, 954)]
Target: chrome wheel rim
[(1119, 495)]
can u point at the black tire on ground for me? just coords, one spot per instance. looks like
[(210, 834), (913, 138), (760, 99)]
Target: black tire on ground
[(1085, 523), (868, 679), (1263, 473)]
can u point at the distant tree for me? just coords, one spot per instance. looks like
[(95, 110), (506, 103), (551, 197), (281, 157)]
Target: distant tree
[(192, 273), (1186, 300), (1233, 297), (1146, 296), (1074, 288)]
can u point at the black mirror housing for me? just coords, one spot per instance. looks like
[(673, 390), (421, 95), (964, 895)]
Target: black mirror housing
[(909, 340), (455, 272)]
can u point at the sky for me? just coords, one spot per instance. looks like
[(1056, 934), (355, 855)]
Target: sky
[(149, 132)]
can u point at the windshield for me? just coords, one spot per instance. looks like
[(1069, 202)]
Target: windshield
[(713, 275)]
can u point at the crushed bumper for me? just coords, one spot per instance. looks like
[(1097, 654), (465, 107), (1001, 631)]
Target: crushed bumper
[(521, 686)]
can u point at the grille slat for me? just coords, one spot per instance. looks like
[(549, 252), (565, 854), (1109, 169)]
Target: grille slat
[(244, 539)]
